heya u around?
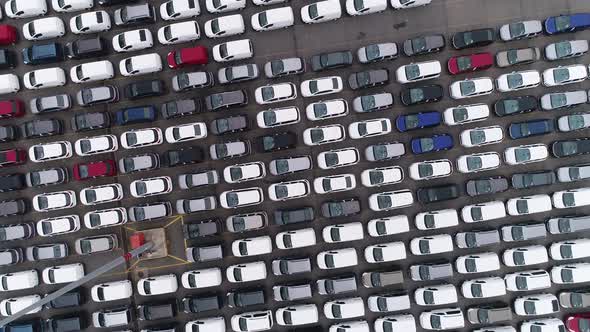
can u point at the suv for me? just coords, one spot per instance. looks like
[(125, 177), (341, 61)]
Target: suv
[(230, 124), (204, 254), (341, 208), (201, 229), (147, 212), (43, 54), (12, 182), (245, 298), (532, 179), (223, 100), (570, 148), (65, 323), (68, 300), (200, 303), (156, 311), (489, 314), (191, 155), (431, 271), (138, 163), (135, 14), (13, 207), (292, 216), (86, 48), (337, 285), (97, 95), (40, 128)]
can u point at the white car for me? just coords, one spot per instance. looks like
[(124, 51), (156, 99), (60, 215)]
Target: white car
[(478, 162), (523, 256), (191, 80), (44, 28), (469, 88), (9, 83), (543, 325), (179, 9), (8, 306), (242, 197), (112, 291), (18, 280), (466, 114), (246, 272), (322, 135), (564, 75), (321, 11), (430, 169), (177, 33), (210, 324), (524, 154), (96, 145), (344, 308), (44, 78), (431, 244), (527, 280), (481, 136), (334, 183), (565, 99), (365, 7), (90, 22), (275, 93), (62, 274), (335, 259), (528, 205), (273, 19), (101, 194), (521, 30), (385, 252), (140, 65), (58, 225), (436, 295), (222, 6), (403, 4), (369, 128), (571, 273), (570, 249), (157, 285), (350, 326), (382, 176), (436, 219), (92, 71), (536, 305), (233, 50), (321, 86), (225, 26), (403, 322), (338, 158), (54, 201), (295, 239), (483, 288), (391, 200), (141, 138), (105, 218), (252, 321), (68, 6), (244, 172), (442, 319), (573, 122), (50, 151), (419, 71), (571, 198), (186, 132), (343, 232), (483, 211), (203, 278), (151, 186), (252, 246), (288, 190), (300, 314), (388, 226), (133, 40), (515, 81), (25, 9), (278, 117), (477, 263), (327, 109)]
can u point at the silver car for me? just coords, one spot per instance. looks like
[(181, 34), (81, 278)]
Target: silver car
[(382, 278), (567, 225), (521, 30), (373, 102), (284, 67), (46, 251), (229, 150), (561, 100), (489, 315), (337, 285), (377, 52), (476, 239), (573, 173), (150, 211), (566, 49), (235, 74), (193, 80), (431, 271), (289, 165), (94, 244), (47, 104), (292, 292), (198, 179), (246, 222), (384, 151), (519, 56), (197, 204), (575, 298), (46, 177), (523, 232)]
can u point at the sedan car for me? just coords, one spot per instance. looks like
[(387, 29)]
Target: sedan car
[(521, 30), (332, 60), (569, 148), (462, 64), (525, 154), (486, 186), (377, 52), (473, 38), (369, 128), (470, 88), (525, 205), (421, 95), (430, 169), (481, 136), (419, 71), (532, 128), (566, 49), (319, 12), (417, 121), (368, 79), (515, 105), (321, 86), (564, 75), (322, 135), (90, 22), (518, 81), (563, 100), (424, 45), (365, 7), (517, 56)]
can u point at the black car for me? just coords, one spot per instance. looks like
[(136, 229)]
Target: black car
[(156, 311), (135, 14), (12, 182), (437, 194), (532, 179), (331, 60), (421, 94), (181, 107), (7, 59), (68, 300), (90, 121), (223, 100), (64, 324), (515, 105), (86, 48), (181, 157), (570, 148), (334, 209), (275, 142), (200, 303), (245, 298), (8, 133), (145, 89), (42, 54), (230, 124), (40, 128), (473, 38), (293, 216), (368, 78)]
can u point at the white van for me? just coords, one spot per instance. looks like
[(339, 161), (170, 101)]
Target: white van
[(92, 71), (44, 78), (233, 50), (140, 64), (9, 83)]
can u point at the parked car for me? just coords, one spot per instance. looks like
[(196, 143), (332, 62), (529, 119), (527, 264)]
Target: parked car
[(532, 179), (566, 49), (517, 56), (90, 121), (425, 44), (144, 89), (516, 105), (377, 52), (523, 232), (331, 60), (86, 48), (462, 64), (473, 38)]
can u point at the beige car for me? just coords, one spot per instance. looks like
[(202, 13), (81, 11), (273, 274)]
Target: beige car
[(518, 56)]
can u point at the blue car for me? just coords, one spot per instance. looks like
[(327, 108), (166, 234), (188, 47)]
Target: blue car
[(136, 115), (531, 128), (431, 144), (417, 121), (567, 23)]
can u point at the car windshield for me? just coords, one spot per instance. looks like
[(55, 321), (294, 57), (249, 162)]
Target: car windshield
[(476, 290), (516, 29), (514, 80), (522, 155), (372, 52), (460, 114), (429, 221), (435, 322), (320, 110), (313, 86), (282, 166), (131, 138), (384, 201), (563, 49), (221, 150), (368, 102), (358, 5), (511, 106), (277, 67), (412, 72), (522, 206), (270, 118), (584, 324), (512, 56), (223, 50), (561, 75), (569, 200), (467, 87), (262, 19), (474, 163), (563, 22), (331, 159), (46, 226), (468, 38), (412, 121), (477, 136), (313, 11), (424, 246), (363, 78), (426, 144), (569, 148), (235, 173), (567, 275), (327, 184), (317, 135), (464, 63), (336, 209), (419, 44), (476, 213), (416, 95), (483, 186), (183, 80), (482, 316), (282, 191), (471, 240), (376, 177), (566, 251), (425, 170), (380, 152), (575, 121), (558, 100), (529, 307), (470, 265)]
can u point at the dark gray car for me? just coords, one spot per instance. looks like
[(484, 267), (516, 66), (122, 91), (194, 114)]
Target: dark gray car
[(382, 278), (180, 108), (424, 44), (284, 67), (13, 207), (223, 100), (293, 216), (331, 60), (519, 56), (40, 128), (523, 232), (431, 271), (228, 125), (368, 78), (476, 239), (97, 95), (292, 292), (289, 165), (200, 303), (245, 298), (288, 266), (90, 121), (235, 74), (489, 314), (337, 285), (46, 177), (486, 186), (50, 104), (532, 179), (568, 224), (150, 211), (47, 251), (334, 209)]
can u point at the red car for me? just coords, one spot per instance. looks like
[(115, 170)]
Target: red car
[(12, 157), (11, 108), (95, 169), (8, 34), (188, 56), (468, 63), (578, 322)]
